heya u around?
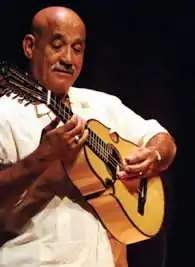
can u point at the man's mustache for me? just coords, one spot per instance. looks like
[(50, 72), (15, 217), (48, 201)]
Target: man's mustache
[(69, 69)]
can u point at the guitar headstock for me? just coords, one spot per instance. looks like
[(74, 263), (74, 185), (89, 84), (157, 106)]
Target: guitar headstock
[(14, 81)]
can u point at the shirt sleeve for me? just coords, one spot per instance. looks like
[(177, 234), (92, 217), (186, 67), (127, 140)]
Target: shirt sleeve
[(130, 125)]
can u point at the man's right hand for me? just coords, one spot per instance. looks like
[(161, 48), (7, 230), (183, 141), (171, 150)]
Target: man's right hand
[(60, 143), (56, 144)]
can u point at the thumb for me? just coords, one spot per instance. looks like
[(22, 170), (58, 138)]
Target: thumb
[(52, 125)]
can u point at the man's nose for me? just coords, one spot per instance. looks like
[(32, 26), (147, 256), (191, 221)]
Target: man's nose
[(66, 57)]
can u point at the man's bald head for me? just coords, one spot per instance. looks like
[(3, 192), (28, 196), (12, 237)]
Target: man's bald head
[(56, 47), (49, 16)]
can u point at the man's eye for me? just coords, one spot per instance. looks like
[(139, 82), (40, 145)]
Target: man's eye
[(77, 47), (57, 45)]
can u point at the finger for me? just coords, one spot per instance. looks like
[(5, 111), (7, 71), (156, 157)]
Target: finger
[(82, 125), (127, 176), (136, 156), (136, 168), (52, 125), (122, 175), (69, 125), (83, 137), (78, 129), (81, 140)]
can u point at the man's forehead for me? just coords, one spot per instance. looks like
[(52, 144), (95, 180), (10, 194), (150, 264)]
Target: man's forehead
[(63, 27), (79, 38), (61, 20)]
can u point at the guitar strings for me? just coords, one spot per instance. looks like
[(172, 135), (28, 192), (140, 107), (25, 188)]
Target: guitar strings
[(97, 144)]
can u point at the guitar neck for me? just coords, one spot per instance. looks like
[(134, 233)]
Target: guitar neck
[(94, 142)]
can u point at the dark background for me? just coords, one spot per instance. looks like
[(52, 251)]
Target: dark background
[(143, 52)]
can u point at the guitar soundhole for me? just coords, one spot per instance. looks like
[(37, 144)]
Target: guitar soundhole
[(113, 165)]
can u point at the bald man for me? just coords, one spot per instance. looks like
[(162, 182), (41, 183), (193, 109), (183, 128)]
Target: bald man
[(56, 48), (51, 226)]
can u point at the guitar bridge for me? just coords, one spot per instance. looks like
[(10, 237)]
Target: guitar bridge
[(142, 194), (109, 183)]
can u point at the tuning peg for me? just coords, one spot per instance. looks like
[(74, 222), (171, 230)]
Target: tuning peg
[(14, 97), (28, 103), (23, 98), (30, 100), (8, 94), (7, 90)]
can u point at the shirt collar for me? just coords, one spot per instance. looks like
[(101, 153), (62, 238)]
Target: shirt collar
[(42, 110)]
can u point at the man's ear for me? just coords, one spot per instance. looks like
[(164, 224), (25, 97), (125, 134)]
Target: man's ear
[(28, 45)]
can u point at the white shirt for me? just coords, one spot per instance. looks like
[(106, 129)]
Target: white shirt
[(63, 233)]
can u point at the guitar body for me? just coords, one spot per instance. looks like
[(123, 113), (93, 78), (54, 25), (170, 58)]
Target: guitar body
[(117, 206)]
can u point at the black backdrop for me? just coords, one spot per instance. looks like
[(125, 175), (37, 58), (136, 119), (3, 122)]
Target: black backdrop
[(143, 52)]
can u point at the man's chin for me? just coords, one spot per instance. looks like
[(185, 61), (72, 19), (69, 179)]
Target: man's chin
[(60, 90), (60, 87)]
